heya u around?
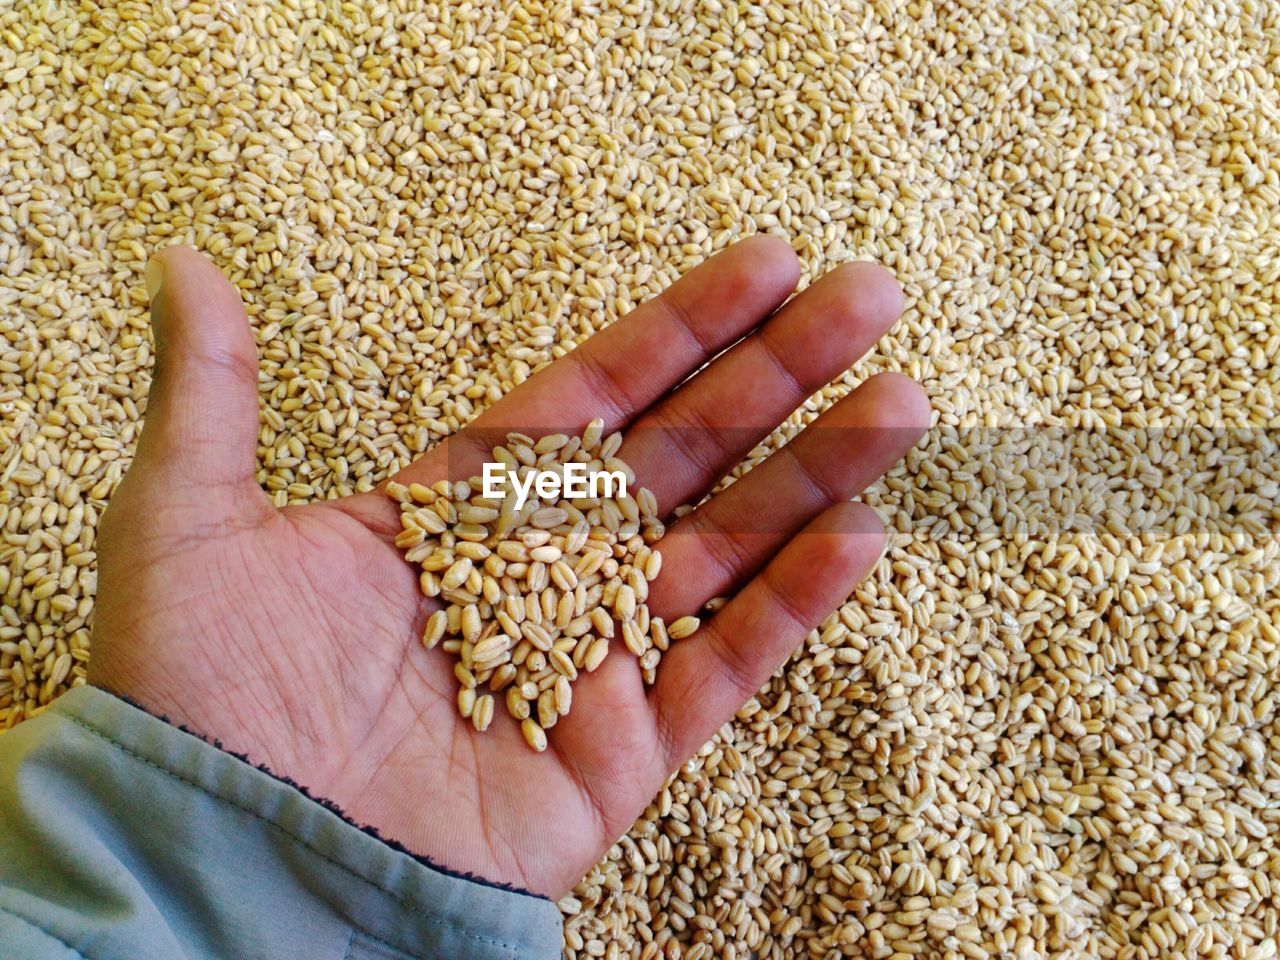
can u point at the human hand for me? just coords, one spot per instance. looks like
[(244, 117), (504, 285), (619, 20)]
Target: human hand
[(292, 636)]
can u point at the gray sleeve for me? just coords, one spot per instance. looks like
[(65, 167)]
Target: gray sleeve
[(123, 837)]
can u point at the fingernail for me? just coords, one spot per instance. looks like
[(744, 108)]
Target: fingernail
[(154, 275)]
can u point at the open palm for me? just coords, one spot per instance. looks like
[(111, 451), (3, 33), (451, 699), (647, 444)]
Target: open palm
[(292, 636)]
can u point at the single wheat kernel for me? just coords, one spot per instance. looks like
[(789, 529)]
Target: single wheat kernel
[(563, 695), (634, 638), (466, 700), (534, 735), (482, 712), (658, 633), (624, 606), (562, 663), (596, 654), (546, 709), (436, 624), (517, 703), (683, 627)]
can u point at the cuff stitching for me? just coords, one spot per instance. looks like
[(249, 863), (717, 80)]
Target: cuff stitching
[(358, 936), (35, 926), (296, 839), (329, 805)]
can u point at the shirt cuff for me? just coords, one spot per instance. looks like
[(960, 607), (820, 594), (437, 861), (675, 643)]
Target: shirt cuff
[(128, 837)]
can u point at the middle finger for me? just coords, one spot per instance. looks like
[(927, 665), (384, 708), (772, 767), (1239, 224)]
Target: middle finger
[(681, 447)]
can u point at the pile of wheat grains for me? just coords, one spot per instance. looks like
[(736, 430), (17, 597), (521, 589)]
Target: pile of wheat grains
[(1047, 725), (534, 590)]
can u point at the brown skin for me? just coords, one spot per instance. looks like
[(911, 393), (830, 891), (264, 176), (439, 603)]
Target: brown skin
[(292, 635)]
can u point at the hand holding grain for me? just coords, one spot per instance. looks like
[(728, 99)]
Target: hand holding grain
[(293, 636)]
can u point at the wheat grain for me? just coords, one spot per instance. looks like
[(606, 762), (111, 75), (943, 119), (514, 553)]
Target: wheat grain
[(683, 627), (434, 632), (482, 712), (534, 735)]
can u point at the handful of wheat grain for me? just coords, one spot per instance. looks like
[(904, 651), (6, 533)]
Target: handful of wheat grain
[(535, 593)]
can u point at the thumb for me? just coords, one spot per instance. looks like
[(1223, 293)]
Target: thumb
[(202, 411)]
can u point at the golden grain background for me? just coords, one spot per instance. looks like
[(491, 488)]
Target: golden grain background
[(1047, 725)]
